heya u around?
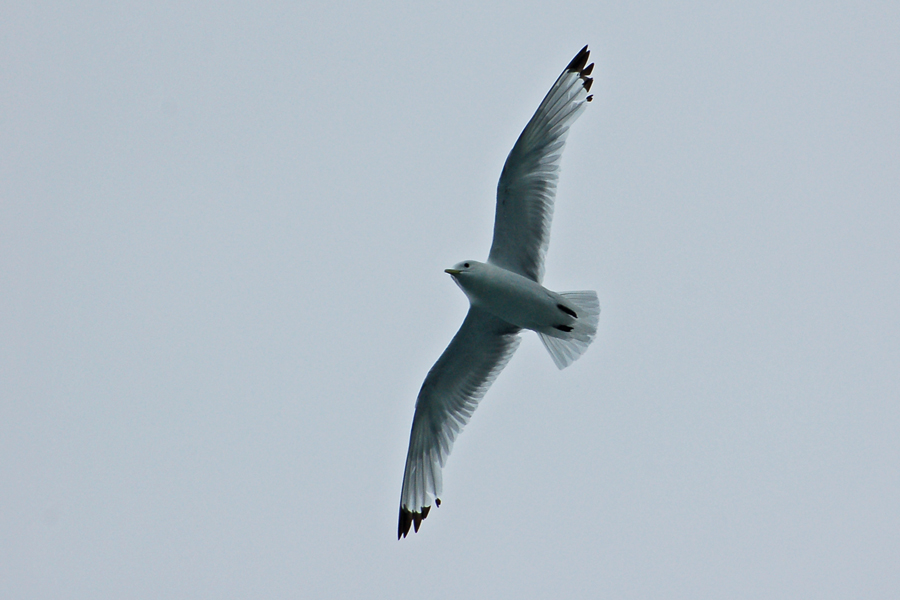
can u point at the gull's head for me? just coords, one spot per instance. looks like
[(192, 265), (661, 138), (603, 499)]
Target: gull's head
[(461, 268)]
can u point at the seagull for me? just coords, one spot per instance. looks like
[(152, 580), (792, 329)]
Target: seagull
[(505, 296)]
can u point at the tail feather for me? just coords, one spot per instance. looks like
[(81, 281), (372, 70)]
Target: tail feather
[(566, 346)]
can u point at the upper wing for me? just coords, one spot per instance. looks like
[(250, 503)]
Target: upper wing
[(528, 182), (454, 386)]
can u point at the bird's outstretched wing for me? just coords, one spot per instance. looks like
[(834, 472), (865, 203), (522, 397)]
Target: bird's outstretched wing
[(528, 183), (451, 392)]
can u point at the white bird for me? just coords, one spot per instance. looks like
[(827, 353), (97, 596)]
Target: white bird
[(505, 296)]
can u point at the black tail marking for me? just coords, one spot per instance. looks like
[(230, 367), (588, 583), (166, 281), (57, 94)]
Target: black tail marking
[(567, 310)]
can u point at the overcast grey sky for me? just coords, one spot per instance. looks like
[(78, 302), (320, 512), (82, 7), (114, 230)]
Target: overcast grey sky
[(223, 229)]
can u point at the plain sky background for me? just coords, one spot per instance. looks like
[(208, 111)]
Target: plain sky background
[(223, 229)]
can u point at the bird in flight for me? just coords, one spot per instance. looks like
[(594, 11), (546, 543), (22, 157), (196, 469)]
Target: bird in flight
[(505, 296)]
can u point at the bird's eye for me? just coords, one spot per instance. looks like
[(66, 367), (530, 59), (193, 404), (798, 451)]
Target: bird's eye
[(466, 265)]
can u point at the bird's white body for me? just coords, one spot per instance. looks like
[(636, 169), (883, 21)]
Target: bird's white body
[(515, 299)]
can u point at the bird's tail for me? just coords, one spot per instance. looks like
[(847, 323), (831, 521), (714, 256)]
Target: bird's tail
[(566, 346)]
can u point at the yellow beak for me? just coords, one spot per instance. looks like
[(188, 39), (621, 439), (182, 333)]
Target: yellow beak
[(452, 271)]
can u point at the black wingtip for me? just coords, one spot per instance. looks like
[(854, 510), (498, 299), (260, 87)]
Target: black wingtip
[(412, 519), (580, 60), (579, 65), (405, 522)]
